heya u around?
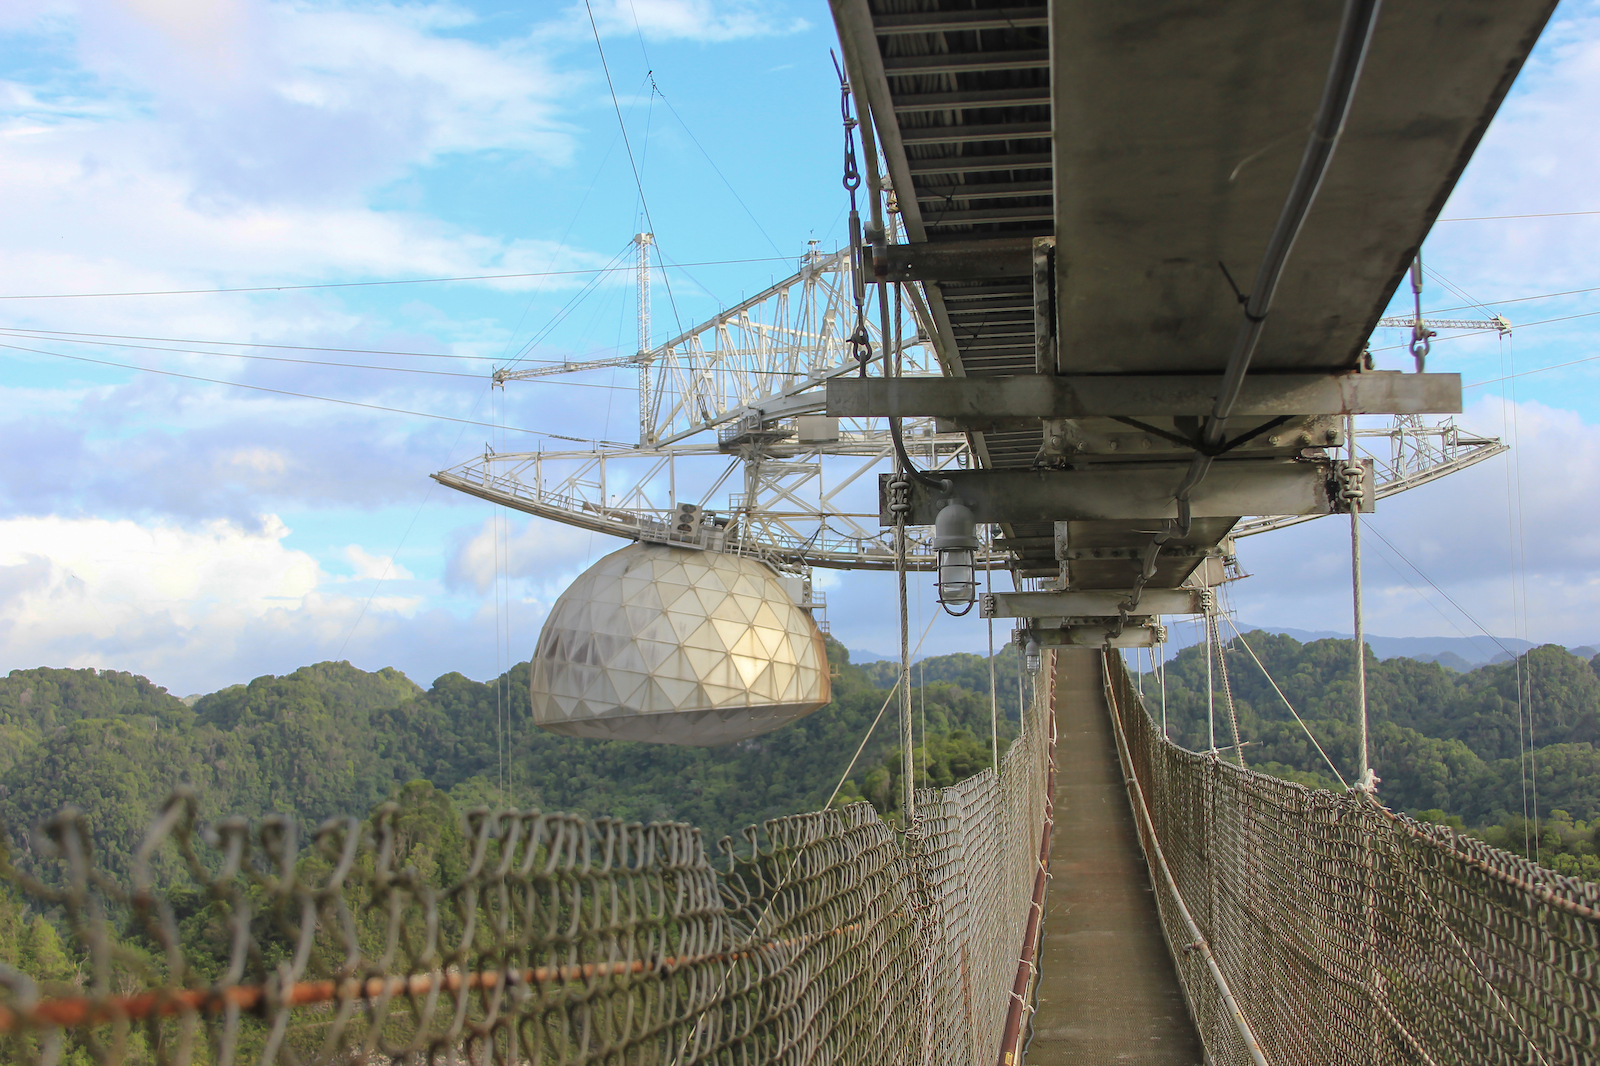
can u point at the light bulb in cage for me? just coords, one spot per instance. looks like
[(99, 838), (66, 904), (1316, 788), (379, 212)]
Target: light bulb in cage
[(1030, 653), (955, 538)]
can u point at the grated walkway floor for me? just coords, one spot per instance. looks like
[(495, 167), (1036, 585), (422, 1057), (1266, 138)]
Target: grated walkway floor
[(1108, 993)]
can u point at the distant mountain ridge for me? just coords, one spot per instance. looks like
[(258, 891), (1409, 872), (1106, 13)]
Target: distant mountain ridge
[(1455, 653)]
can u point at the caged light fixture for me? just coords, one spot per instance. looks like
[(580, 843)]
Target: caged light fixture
[(955, 539)]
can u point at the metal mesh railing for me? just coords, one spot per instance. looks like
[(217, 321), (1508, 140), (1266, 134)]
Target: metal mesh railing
[(1350, 934), (829, 938), (979, 855)]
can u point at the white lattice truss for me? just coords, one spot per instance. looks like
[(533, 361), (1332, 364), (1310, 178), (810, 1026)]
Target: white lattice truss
[(723, 426), (1415, 453), (728, 422)]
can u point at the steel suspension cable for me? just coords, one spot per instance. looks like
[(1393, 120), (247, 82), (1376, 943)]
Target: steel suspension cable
[(1365, 781), (305, 395), (368, 284), (1268, 675), (637, 180), (994, 698), (1227, 689)]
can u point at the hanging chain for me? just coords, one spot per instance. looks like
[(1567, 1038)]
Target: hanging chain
[(860, 343), (1421, 335)]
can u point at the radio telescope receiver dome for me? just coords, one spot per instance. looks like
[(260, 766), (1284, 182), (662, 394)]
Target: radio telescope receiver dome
[(676, 646)]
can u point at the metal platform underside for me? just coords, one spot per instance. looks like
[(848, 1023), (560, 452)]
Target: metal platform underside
[(1155, 143), (1108, 993)]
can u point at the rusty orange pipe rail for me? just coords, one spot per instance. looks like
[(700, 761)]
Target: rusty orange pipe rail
[(68, 1012), (1030, 939)]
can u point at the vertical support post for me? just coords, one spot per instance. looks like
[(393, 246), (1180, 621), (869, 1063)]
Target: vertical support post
[(1163, 657), (908, 789), (1044, 305), (908, 798), (1211, 704), (994, 694), (646, 430), (1022, 714), (922, 698), (1365, 780)]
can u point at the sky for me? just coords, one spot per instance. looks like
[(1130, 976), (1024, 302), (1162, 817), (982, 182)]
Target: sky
[(205, 486)]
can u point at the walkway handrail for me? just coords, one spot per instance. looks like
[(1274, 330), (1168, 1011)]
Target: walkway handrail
[(1026, 968), (1153, 848)]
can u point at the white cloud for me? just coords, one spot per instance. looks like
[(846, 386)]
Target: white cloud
[(375, 567), (85, 592), (546, 556), (1537, 156), (196, 609), (281, 99), (180, 146)]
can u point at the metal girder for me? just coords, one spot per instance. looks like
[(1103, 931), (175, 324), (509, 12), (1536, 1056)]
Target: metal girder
[(956, 21), (1135, 492), (1096, 603), (972, 260), (1022, 96), (1135, 635), (979, 164), (1130, 395), (964, 63), (1005, 131)]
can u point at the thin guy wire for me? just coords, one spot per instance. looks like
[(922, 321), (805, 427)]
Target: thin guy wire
[(1520, 562), (302, 395), (1268, 675), (637, 180), (368, 284)]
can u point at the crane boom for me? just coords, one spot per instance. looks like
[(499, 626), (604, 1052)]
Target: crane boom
[(501, 376), (1498, 323)]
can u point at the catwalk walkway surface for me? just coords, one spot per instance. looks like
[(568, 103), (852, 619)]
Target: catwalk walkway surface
[(1107, 989)]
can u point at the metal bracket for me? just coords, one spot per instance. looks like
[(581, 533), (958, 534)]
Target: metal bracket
[(967, 260), (1044, 305), (1142, 634), (1089, 603)]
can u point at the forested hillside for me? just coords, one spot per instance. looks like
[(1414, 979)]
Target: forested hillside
[(332, 740), (1447, 745)]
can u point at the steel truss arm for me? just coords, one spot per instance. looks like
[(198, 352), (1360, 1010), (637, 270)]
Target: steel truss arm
[(793, 504), (1417, 453)]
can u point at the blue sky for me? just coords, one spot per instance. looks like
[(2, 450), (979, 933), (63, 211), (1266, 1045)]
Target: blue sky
[(203, 533)]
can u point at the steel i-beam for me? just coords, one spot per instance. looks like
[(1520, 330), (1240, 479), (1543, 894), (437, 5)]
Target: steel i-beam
[(1131, 492), (1023, 396), (1091, 603)]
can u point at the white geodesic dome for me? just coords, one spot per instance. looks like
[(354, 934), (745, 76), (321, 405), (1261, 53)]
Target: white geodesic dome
[(676, 646)]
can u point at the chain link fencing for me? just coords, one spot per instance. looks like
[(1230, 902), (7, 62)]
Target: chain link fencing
[(1340, 931), (828, 937), (1347, 933)]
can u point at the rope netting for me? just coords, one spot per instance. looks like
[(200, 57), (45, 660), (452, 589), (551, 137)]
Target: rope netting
[(828, 937), (1347, 933)]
